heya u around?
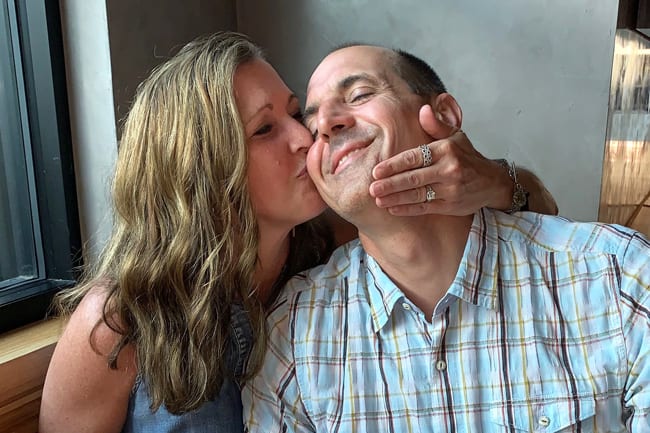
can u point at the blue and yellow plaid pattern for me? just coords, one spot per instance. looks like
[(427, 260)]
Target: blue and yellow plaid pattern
[(545, 328)]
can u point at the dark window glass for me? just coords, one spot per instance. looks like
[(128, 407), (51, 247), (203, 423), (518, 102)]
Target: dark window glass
[(39, 229)]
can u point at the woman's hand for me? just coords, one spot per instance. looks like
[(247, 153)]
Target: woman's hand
[(461, 177)]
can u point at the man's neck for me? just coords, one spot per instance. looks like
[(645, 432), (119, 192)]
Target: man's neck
[(420, 254)]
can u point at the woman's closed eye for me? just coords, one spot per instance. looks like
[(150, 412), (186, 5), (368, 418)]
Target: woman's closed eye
[(264, 129), (268, 127), (298, 116)]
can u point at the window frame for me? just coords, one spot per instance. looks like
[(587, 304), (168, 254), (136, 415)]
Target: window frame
[(49, 141)]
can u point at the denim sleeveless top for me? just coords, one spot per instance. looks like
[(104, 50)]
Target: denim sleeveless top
[(221, 415)]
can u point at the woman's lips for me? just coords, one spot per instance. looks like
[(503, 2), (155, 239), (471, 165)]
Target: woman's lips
[(302, 172)]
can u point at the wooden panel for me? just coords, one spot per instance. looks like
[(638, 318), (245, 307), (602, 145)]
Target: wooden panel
[(26, 340), (23, 419), (24, 357), (21, 387)]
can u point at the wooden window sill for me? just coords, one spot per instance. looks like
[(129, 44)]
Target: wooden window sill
[(24, 357)]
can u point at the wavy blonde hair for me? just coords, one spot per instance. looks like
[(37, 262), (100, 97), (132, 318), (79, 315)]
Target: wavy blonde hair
[(185, 238)]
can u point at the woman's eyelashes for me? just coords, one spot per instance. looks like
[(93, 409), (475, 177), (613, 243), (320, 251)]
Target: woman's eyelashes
[(298, 116), (267, 127), (264, 129)]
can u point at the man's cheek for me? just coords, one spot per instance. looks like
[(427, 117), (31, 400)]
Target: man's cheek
[(314, 160)]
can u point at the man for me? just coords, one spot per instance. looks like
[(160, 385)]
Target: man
[(487, 323)]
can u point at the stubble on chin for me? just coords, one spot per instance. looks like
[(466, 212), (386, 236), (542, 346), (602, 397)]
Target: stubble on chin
[(349, 195)]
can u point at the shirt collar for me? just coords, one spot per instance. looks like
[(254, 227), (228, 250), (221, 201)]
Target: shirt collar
[(382, 292), (475, 281), (477, 277)]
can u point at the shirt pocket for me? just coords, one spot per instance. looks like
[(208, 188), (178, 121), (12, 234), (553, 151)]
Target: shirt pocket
[(548, 416)]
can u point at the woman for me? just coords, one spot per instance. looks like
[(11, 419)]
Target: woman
[(213, 212)]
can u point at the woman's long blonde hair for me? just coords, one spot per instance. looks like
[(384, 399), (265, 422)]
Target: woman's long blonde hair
[(184, 241)]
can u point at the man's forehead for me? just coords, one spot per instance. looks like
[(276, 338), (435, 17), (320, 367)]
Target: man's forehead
[(359, 60)]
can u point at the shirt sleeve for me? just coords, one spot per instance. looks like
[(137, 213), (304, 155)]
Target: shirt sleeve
[(635, 312), (271, 399)]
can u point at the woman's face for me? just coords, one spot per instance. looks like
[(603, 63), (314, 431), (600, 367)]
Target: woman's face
[(281, 190)]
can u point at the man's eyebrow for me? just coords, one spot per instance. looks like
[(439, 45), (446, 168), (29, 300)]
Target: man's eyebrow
[(342, 86)]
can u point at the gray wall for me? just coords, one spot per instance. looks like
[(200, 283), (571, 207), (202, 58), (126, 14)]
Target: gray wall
[(102, 73), (144, 33), (532, 77), (92, 119)]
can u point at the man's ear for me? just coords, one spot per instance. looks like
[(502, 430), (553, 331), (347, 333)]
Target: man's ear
[(447, 110)]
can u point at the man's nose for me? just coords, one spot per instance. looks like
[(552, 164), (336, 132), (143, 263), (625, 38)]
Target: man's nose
[(333, 119)]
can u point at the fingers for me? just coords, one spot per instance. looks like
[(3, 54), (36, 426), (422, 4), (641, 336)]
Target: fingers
[(404, 174), (410, 196), (412, 158), (407, 160), (398, 182), (437, 206), (450, 194), (402, 182)]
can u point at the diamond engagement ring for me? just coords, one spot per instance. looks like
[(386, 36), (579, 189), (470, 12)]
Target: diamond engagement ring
[(431, 194)]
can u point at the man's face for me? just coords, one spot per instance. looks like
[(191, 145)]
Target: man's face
[(360, 113)]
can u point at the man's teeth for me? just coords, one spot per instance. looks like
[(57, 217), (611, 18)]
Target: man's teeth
[(346, 157)]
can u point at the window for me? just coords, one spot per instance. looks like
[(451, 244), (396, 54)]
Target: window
[(39, 228)]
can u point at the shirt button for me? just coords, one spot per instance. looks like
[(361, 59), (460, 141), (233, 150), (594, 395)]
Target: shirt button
[(544, 421), (441, 365), (406, 306)]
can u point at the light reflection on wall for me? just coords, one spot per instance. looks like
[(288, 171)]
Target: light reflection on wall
[(625, 193)]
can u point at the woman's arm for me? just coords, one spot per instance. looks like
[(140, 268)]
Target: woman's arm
[(81, 393), (539, 199)]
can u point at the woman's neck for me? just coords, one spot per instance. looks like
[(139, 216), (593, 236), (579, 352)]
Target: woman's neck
[(272, 253)]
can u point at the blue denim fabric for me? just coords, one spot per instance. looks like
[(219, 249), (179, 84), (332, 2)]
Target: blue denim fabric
[(221, 415)]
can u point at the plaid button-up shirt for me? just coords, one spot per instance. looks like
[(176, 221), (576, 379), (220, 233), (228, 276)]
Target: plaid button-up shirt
[(546, 328)]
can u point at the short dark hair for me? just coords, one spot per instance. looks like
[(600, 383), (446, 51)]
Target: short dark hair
[(420, 77), (417, 73)]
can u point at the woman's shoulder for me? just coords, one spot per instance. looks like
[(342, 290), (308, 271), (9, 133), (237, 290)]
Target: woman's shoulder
[(89, 320)]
